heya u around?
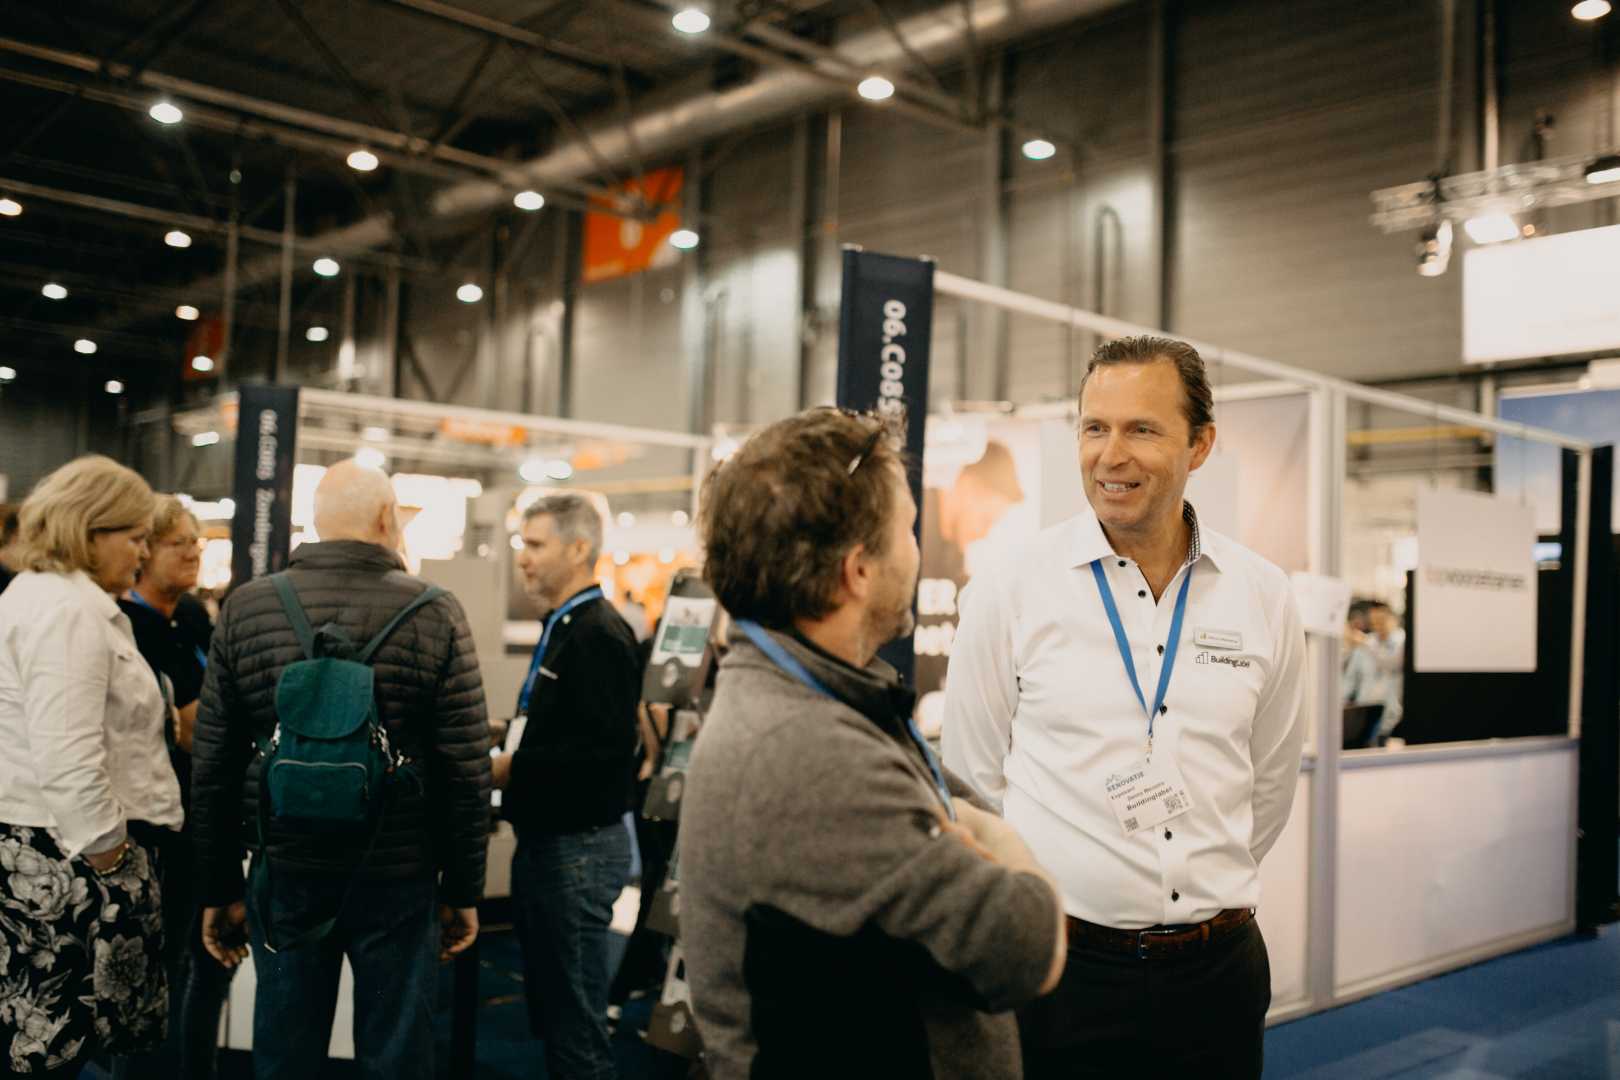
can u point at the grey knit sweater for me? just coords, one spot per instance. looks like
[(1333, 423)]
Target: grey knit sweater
[(830, 929)]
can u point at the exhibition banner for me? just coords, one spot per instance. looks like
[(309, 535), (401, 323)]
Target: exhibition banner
[(1474, 592), (885, 327), (615, 246), (266, 436)]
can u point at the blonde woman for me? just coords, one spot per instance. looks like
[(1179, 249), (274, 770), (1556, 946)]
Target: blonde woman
[(85, 782)]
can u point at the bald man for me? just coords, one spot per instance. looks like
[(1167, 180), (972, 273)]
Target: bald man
[(399, 898)]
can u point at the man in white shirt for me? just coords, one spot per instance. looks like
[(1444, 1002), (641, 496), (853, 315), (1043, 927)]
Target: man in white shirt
[(1129, 688)]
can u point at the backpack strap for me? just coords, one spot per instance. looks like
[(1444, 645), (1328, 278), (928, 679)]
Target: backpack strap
[(295, 613), (426, 596)]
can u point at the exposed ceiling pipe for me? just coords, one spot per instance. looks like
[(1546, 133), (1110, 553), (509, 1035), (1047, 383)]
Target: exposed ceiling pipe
[(692, 112)]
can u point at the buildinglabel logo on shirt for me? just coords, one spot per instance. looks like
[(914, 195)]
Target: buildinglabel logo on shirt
[(1229, 661)]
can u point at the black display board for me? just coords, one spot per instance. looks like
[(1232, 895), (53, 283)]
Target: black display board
[(885, 328), (1597, 856), (266, 441)]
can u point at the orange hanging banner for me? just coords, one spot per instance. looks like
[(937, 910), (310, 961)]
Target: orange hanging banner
[(615, 247)]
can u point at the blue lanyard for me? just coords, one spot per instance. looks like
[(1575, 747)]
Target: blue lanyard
[(790, 664), (592, 593), (1124, 644), (137, 598)]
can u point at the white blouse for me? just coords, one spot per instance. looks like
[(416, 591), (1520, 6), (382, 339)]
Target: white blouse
[(81, 717)]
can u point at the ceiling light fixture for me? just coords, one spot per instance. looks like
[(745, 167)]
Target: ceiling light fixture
[(375, 434), (7, 374), (166, 112), (114, 386), (469, 293), (186, 312), (1039, 149), (685, 239), (9, 207), (1588, 10), (533, 471), (1491, 228), (203, 364), (176, 238), (691, 20), (205, 438), (84, 347), (370, 457), (1604, 170), (559, 469), (362, 160), (53, 291), (316, 334), (327, 267), (528, 200), (875, 88)]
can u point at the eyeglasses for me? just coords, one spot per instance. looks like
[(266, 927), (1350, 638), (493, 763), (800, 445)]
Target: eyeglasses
[(866, 450)]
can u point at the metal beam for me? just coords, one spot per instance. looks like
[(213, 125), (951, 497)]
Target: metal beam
[(288, 125), (558, 52)]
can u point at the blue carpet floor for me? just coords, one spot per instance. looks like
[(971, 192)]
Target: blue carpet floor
[(1548, 1013)]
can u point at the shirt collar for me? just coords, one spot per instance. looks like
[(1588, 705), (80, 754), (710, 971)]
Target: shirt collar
[(97, 597), (1088, 542)]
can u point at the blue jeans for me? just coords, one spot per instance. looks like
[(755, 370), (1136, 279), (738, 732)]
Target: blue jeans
[(389, 930), (563, 889)]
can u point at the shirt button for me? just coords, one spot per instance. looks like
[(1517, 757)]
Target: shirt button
[(1174, 895), (1161, 650), (1167, 834), (1163, 709), (1122, 563), (1141, 592)]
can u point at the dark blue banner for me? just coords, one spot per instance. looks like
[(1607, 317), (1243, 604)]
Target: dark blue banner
[(885, 327), (266, 438)]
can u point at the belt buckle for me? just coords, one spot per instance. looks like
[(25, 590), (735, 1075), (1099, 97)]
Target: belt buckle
[(1142, 942)]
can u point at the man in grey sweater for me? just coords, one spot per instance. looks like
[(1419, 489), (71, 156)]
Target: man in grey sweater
[(846, 908)]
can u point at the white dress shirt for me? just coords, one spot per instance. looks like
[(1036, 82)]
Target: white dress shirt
[(1039, 710), (81, 717)]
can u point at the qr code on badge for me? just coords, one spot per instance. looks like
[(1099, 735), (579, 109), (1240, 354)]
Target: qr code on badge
[(1173, 804), (1130, 824)]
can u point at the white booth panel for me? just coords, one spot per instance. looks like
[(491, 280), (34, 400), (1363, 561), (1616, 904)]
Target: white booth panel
[(238, 1019), (1440, 860), (1285, 878)]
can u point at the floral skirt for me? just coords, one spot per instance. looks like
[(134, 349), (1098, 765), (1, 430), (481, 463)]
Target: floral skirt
[(81, 956)]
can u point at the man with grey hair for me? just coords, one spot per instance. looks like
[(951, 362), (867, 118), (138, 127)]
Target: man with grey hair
[(568, 774)]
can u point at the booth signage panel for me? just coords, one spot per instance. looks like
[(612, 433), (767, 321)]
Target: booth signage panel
[(885, 328), (1545, 297), (1475, 587), (266, 438)]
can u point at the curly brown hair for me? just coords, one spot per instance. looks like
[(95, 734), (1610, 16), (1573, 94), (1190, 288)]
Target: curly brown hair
[(779, 516)]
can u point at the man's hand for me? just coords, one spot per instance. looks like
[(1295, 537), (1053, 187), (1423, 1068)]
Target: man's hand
[(458, 929), (991, 836), (185, 726), (224, 933), (501, 766)]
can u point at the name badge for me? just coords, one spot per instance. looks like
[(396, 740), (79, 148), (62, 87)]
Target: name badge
[(1149, 793), (1218, 639)]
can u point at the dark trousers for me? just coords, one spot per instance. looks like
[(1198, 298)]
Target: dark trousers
[(389, 930), (198, 984), (1202, 1014), (563, 889), (647, 953)]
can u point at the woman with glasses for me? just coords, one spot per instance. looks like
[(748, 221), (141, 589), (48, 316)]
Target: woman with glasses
[(86, 789), (172, 631)]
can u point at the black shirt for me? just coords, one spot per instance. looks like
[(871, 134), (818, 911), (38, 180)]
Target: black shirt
[(177, 647), (575, 768)]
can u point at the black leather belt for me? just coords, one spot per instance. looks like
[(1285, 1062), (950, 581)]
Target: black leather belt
[(1157, 942)]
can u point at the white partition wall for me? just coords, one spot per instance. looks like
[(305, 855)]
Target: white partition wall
[(1284, 912), (1448, 855)]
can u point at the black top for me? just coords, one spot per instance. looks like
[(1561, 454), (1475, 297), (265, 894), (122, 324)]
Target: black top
[(575, 768), (176, 647), (173, 646), (5, 577), (429, 697)]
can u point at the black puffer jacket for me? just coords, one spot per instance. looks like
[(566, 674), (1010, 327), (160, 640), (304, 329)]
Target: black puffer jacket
[(430, 697)]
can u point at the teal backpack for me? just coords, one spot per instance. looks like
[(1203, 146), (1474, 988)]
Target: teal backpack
[(328, 764)]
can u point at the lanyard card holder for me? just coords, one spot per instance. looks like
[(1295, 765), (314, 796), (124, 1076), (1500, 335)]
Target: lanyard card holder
[(664, 914), (681, 654), (672, 1027)]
